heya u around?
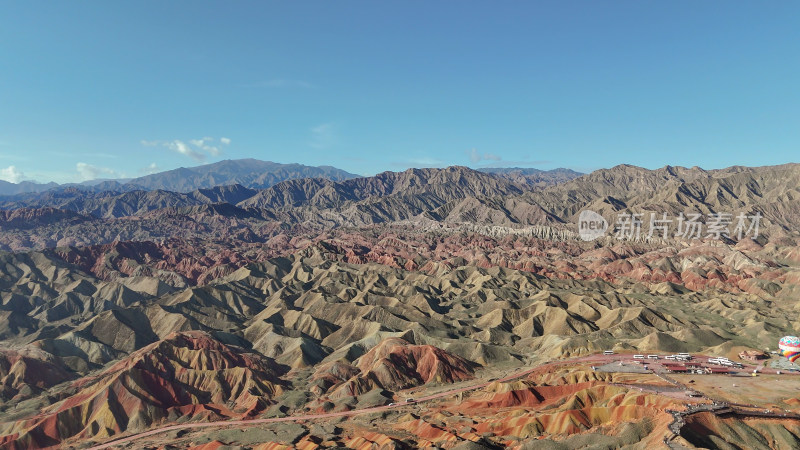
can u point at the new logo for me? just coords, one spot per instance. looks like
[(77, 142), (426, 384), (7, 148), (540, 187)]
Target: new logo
[(591, 225)]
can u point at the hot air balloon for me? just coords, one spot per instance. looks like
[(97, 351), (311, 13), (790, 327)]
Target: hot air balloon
[(789, 347)]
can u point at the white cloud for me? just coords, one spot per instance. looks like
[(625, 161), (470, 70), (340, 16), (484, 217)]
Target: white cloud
[(150, 169), (197, 149), (213, 151), (427, 162), (89, 172), (184, 149), (323, 135), (420, 162), (11, 174), (476, 157), (205, 144)]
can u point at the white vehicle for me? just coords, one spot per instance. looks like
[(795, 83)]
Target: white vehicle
[(684, 355), (608, 352), (652, 356), (670, 357), (713, 361), (638, 356), (682, 358)]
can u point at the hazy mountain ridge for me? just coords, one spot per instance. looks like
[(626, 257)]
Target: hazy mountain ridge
[(453, 195), (251, 173), (771, 190), (533, 177), (23, 187), (439, 185)]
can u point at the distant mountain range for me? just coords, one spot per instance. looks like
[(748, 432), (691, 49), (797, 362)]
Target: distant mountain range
[(533, 176), (23, 187), (452, 196), (251, 173)]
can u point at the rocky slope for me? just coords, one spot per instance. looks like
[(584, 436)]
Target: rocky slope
[(533, 177), (186, 374), (710, 431), (427, 198), (391, 365)]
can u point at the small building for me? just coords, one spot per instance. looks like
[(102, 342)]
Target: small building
[(752, 355), (676, 368)]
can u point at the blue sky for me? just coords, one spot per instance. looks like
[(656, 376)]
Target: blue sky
[(109, 89)]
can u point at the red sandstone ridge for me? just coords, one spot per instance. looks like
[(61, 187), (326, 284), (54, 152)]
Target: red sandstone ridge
[(176, 262), (187, 374), (29, 217), (24, 375), (699, 266), (394, 364), (523, 394), (426, 362), (706, 430)]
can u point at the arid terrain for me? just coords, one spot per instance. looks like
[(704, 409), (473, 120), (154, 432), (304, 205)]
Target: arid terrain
[(429, 308)]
